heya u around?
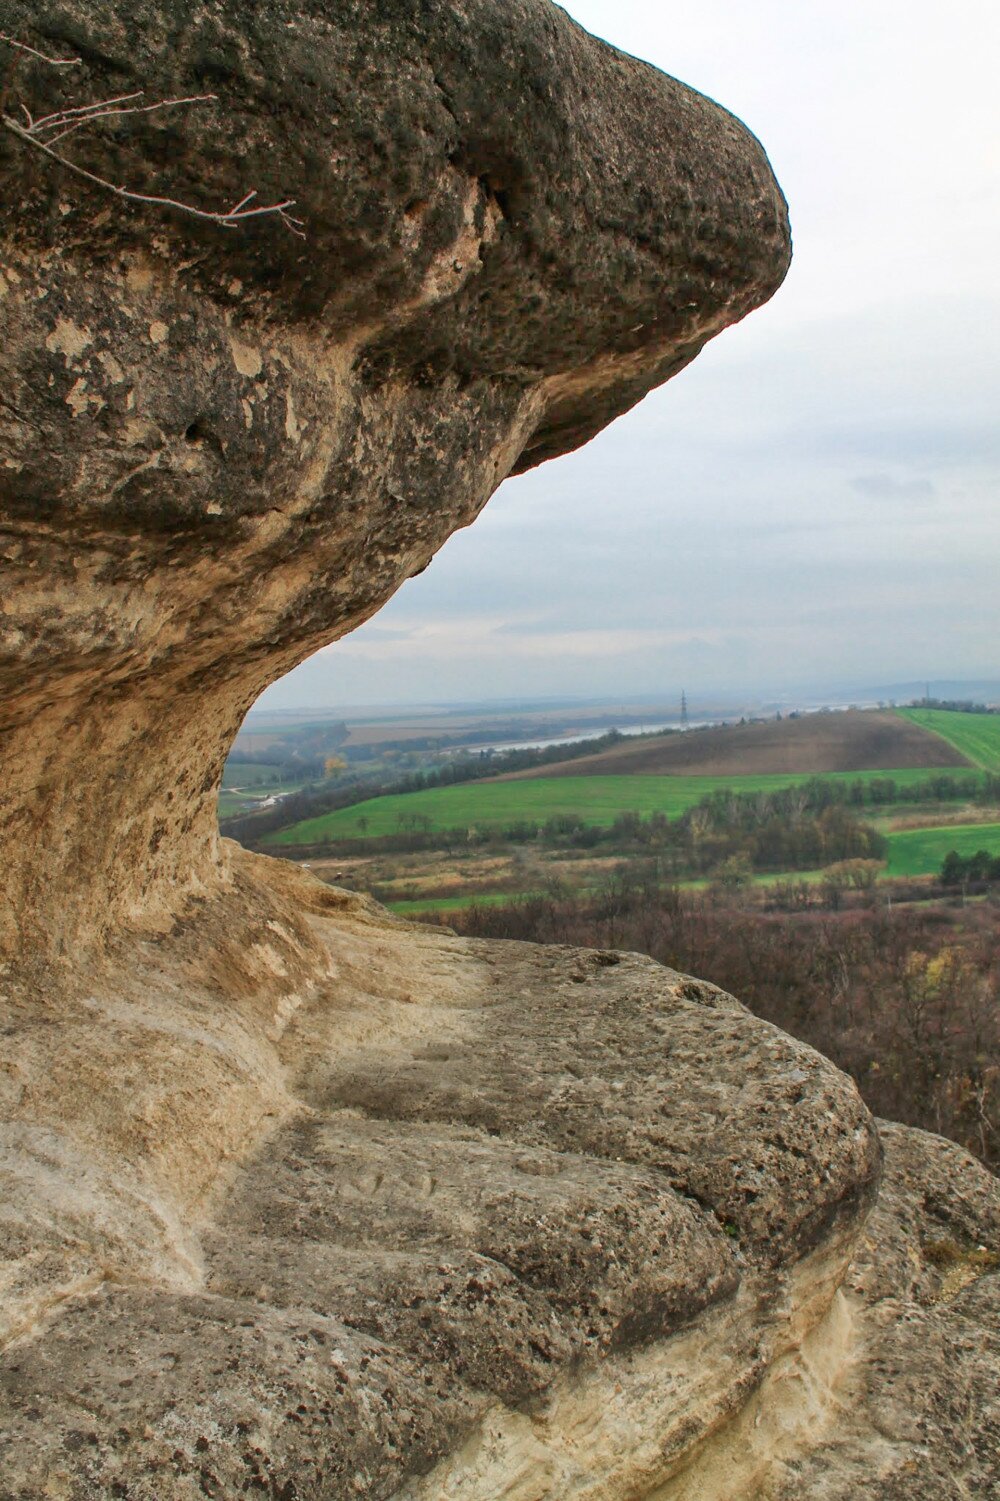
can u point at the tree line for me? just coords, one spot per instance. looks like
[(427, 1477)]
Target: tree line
[(980, 869), (954, 705)]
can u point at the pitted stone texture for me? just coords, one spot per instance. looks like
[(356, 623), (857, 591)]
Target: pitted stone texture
[(937, 1225), (509, 1263), (152, 1397), (220, 450), (357, 1295), (588, 1061)]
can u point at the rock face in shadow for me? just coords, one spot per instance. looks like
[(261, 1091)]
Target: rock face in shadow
[(295, 1199), (223, 449)]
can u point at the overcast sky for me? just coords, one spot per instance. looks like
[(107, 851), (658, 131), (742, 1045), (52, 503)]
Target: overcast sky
[(814, 500)]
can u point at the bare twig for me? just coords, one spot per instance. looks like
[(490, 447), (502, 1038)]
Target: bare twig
[(226, 218), (84, 109), (54, 62), (46, 133), (65, 121), (84, 113)]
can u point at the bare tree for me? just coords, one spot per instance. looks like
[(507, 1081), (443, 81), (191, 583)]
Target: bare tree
[(46, 133)]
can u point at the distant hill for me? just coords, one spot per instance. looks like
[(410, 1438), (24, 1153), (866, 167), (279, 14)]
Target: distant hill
[(976, 736), (854, 740)]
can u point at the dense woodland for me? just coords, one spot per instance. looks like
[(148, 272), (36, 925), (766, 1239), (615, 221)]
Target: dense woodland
[(979, 870), (905, 997)]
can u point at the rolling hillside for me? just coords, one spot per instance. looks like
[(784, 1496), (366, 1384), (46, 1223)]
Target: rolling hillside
[(856, 740), (975, 736)]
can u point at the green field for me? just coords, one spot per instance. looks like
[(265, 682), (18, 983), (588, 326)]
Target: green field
[(921, 852), (976, 736), (597, 800)]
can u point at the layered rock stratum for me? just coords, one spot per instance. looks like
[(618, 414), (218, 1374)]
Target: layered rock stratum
[(298, 1200)]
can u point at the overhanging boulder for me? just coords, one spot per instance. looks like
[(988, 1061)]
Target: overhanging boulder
[(224, 448)]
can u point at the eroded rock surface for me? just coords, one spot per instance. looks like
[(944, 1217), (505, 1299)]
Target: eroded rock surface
[(463, 1220), (296, 1200), (497, 1176)]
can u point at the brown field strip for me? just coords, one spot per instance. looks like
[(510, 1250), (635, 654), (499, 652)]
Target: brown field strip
[(855, 740)]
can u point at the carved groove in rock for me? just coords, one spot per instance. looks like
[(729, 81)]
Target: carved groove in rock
[(295, 1198)]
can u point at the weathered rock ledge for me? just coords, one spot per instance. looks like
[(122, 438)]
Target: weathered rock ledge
[(296, 1200), (459, 1220)]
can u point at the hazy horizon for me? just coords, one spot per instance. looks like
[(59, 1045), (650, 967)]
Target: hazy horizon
[(833, 695), (813, 499)]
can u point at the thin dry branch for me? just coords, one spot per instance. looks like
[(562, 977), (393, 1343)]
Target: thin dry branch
[(44, 134), (226, 218), (53, 62), (65, 121), (120, 105)]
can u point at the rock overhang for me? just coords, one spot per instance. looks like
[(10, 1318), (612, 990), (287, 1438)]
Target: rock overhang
[(486, 189), (224, 448)]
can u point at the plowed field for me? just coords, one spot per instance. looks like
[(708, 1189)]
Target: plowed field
[(855, 740)]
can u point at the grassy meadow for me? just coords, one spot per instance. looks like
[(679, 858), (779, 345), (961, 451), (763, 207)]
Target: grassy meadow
[(596, 800), (975, 736), (921, 852)]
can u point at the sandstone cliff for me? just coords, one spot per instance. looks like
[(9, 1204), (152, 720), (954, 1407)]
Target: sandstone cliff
[(298, 1200)]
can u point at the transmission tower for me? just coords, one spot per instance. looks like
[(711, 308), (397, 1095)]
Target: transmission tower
[(684, 710)]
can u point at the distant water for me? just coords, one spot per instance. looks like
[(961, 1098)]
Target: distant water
[(574, 739)]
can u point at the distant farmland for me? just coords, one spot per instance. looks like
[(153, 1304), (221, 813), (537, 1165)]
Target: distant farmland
[(914, 852), (848, 741), (497, 804), (975, 736)]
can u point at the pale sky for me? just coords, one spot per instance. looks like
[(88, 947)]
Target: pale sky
[(814, 501)]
